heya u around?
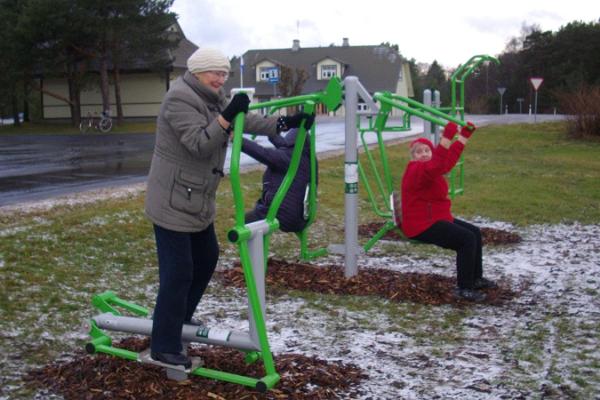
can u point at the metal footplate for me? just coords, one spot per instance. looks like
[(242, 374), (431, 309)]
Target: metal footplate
[(175, 372)]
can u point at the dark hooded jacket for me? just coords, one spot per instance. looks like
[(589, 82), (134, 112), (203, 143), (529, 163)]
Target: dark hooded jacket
[(277, 160)]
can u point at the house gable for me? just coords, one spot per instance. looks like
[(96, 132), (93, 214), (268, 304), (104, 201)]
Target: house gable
[(379, 68), (328, 68), (265, 70)]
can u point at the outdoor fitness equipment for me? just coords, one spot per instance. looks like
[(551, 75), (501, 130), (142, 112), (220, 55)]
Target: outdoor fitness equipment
[(410, 107), (331, 97), (459, 78), (383, 202), (253, 243), (353, 90)]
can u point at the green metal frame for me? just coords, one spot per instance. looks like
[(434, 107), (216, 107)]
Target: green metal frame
[(240, 234), (331, 97), (459, 77), (102, 343)]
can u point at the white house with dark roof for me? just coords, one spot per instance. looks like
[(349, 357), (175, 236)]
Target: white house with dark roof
[(379, 68)]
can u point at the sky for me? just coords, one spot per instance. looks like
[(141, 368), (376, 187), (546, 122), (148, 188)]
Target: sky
[(447, 31)]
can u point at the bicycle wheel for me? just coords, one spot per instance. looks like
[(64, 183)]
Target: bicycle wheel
[(84, 126), (105, 125)]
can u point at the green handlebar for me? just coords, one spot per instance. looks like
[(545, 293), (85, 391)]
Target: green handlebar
[(427, 112), (330, 97)]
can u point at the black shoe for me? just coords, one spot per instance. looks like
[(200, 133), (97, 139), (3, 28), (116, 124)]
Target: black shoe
[(172, 358), (470, 295), (482, 283)]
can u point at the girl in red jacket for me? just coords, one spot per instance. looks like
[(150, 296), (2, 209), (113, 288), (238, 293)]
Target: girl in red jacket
[(426, 212)]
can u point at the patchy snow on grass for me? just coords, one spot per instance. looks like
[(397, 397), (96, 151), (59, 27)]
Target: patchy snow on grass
[(74, 199), (543, 344)]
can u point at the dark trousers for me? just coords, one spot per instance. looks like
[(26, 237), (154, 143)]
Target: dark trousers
[(465, 239), (186, 262)]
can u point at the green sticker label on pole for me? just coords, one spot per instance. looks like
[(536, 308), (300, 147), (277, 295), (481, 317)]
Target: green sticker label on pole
[(351, 188), (351, 177)]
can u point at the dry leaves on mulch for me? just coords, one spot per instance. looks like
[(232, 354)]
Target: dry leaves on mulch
[(106, 377), (490, 236), (397, 286)]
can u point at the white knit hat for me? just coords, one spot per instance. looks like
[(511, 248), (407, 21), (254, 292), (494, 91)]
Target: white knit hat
[(207, 59)]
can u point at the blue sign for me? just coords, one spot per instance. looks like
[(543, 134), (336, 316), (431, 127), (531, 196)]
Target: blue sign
[(273, 75)]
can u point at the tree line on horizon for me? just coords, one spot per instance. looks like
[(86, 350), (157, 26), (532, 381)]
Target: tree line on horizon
[(568, 60), (89, 42)]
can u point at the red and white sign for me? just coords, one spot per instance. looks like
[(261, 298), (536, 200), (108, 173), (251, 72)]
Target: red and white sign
[(536, 82)]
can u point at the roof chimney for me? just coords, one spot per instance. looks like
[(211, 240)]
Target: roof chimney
[(296, 45), (345, 42)]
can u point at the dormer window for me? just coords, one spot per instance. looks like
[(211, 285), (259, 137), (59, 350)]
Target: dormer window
[(328, 71), (268, 73)]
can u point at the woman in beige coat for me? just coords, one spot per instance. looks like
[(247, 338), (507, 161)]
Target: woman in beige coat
[(192, 133)]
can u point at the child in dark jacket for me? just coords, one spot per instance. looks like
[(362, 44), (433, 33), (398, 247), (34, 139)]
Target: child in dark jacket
[(291, 212), (426, 212)]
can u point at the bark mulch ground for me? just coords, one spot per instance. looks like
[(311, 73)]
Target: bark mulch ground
[(490, 236), (106, 377), (393, 285)]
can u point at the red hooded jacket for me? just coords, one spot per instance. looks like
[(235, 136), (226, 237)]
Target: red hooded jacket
[(425, 191)]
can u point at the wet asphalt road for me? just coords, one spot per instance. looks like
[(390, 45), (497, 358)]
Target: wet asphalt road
[(35, 167), (38, 167)]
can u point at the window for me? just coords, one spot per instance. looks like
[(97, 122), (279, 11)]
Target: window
[(400, 75), (328, 71), (267, 73), (362, 107)]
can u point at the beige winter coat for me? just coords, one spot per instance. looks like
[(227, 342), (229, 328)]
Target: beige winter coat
[(189, 155)]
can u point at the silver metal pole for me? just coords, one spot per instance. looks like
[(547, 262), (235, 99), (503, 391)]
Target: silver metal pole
[(351, 177), (435, 130), (189, 333), (426, 124), (535, 108), (257, 258)]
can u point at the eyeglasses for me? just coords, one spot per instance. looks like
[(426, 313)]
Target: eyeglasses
[(219, 74)]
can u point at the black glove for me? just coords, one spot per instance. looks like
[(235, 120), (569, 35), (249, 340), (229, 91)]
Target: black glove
[(239, 103), (287, 123)]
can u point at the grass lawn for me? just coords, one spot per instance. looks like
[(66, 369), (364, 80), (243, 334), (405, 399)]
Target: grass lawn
[(51, 262)]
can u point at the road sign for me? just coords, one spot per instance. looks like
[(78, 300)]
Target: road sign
[(501, 90), (272, 74), (536, 83)]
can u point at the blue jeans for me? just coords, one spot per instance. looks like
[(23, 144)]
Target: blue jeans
[(186, 262), (465, 239)]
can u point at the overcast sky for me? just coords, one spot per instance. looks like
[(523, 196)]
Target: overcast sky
[(447, 31)]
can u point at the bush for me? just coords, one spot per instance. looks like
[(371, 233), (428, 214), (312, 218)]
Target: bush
[(583, 107)]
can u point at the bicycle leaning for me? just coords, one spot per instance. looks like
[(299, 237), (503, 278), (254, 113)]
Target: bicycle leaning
[(102, 123)]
